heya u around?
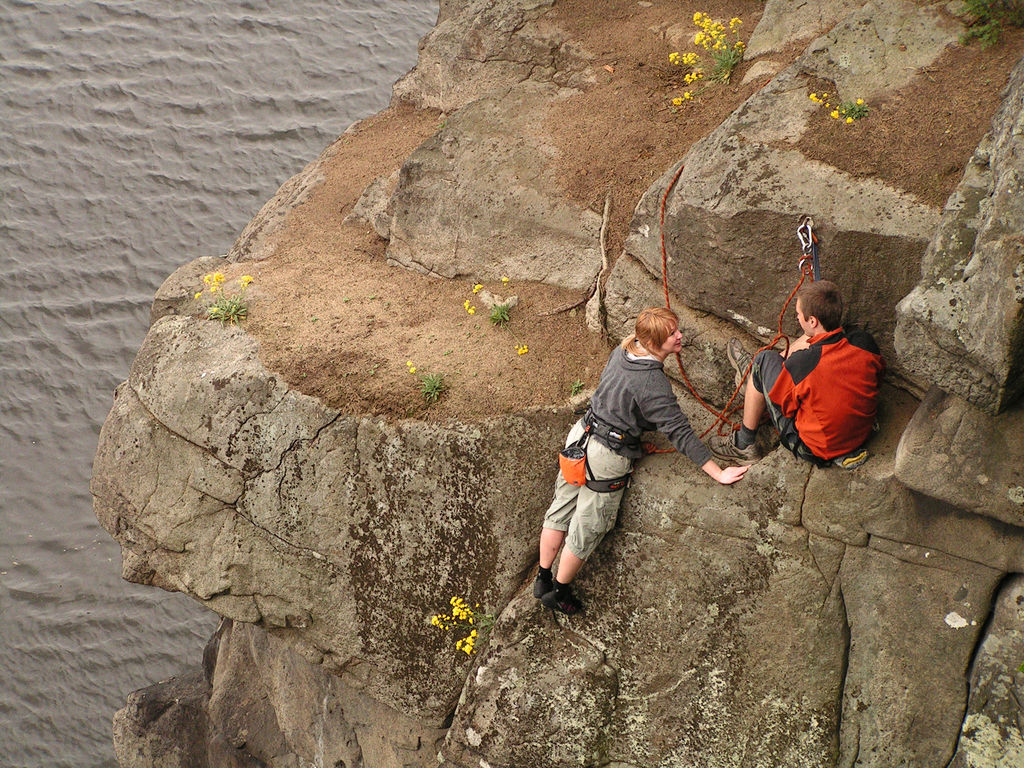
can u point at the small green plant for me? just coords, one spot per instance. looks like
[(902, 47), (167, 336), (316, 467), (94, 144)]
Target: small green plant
[(988, 17), (468, 622), (576, 387), (228, 308), (431, 386), (848, 111), (499, 314)]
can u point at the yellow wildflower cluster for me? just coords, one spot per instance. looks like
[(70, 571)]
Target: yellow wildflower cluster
[(712, 37), (712, 33), (213, 281), (469, 307), (462, 617), (409, 365), (477, 288), (228, 308), (504, 279), (467, 644), (522, 349), (848, 111)]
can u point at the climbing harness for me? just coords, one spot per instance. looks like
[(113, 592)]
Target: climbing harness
[(809, 268), (572, 460)]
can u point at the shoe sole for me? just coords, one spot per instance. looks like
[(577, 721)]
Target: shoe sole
[(550, 601), (851, 461), (741, 368)]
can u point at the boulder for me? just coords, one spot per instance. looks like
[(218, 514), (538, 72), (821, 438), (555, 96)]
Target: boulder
[(480, 199), (285, 711), (784, 23), (993, 731), (176, 295), (731, 218), (165, 725), (481, 46), (915, 618), (958, 454), (962, 327), (342, 533)]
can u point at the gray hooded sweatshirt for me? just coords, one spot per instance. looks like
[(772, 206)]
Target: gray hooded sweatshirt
[(635, 396)]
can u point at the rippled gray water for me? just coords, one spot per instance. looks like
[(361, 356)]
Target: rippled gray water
[(136, 135)]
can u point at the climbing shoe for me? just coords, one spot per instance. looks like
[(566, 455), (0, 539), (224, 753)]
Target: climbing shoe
[(568, 603), (739, 359), (725, 449), (542, 585), (852, 460)]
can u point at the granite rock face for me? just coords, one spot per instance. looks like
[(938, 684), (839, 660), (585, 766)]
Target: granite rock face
[(272, 509), (258, 704), (962, 327), (479, 199), (955, 452), (784, 23), (993, 731), (479, 46), (731, 219)]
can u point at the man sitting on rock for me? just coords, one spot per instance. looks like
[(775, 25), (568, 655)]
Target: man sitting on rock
[(822, 398)]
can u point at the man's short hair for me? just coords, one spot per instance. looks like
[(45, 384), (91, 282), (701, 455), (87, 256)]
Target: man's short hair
[(821, 299)]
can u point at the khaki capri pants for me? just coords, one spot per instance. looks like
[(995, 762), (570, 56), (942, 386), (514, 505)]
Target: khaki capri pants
[(586, 515)]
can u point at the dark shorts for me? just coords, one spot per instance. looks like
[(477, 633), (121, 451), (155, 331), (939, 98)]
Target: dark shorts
[(765, 371)]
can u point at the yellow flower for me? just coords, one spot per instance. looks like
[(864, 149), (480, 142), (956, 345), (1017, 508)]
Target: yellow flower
[(849, 120), (245, 280), (504, 279), (860, 102), (465, 305), (198, 295), (477, 288), (834, 114), (412, 369), (472, 310), (673, 58), (687, 95), (733, 23), (676, 102), (699, 38), (813, 97)]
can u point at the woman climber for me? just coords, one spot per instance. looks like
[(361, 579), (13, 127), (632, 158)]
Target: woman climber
[(633, 396)]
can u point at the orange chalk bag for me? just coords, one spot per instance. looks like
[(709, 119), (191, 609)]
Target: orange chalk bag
[(572, 460)]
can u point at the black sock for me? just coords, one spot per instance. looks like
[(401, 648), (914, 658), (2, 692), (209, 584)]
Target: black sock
[(544, 573), (561, 590), (745, 437)]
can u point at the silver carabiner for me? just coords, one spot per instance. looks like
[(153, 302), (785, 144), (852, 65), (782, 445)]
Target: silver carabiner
[(805, 234)]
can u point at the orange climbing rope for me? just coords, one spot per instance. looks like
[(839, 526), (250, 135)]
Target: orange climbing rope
[(807, 269)]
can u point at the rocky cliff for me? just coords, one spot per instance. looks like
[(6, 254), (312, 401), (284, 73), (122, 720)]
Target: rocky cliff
[(803, 617)]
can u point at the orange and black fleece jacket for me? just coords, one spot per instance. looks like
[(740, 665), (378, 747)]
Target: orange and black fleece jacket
[(830, 390)]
